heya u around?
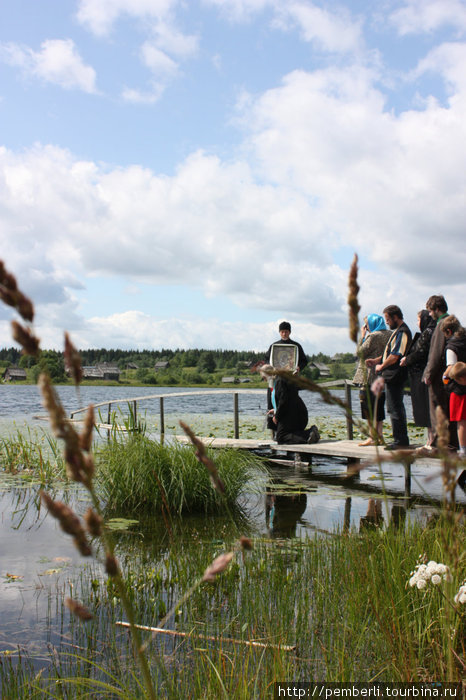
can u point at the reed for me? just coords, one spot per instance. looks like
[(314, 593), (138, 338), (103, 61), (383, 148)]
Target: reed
[(343, 603), (137, 474), (32, 456)]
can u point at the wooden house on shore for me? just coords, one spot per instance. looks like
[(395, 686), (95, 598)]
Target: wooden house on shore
[(14, 374)]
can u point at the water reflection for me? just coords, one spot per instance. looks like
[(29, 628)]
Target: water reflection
[(283, 513)]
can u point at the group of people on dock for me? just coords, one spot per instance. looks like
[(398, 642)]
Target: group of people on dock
[(433, 362)]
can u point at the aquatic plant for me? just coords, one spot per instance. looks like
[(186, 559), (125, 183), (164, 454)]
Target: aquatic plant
[(135, 473), (32, 456)]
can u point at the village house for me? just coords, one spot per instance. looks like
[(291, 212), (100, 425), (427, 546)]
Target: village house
[(14, 374), (102, 370), (161, 365), (323, 369)]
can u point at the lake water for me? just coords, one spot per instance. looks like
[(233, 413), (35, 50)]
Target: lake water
[(38, 561)]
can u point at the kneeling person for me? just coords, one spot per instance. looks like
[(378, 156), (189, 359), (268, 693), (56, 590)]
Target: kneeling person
[(290, 415)]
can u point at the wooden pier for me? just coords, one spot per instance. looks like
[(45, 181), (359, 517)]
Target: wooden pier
[(346, 449)]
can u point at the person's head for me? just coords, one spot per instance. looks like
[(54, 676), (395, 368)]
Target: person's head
[(458, 372), (375, 322), (451, 326), (423, 319), (436, 306), (393, 316), (284, 329)]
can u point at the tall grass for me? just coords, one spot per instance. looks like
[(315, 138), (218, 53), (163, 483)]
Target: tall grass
[(342, 602), (137, 474), (32, 456)]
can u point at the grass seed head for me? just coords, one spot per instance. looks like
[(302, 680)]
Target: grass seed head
[(111, 565), (69, 522), (93, 522), (204, 459), (53, 406), (73, 360), (354, 308), (85, 438), (78, 610), (12, 296), (25, 338), (218, 565)]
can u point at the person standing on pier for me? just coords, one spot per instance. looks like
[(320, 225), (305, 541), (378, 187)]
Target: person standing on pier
[(299, 363), (394, 375), (373, 339), (436, 365)]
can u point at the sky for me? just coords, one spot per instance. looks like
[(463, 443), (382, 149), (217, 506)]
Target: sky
[(188, 173)]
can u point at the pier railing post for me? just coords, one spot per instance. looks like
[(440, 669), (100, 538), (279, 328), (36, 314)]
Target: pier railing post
[(109, 415), (349, 420), (236, 415), (162, 420)]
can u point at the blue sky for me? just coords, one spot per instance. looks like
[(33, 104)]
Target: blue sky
[(188, 174)]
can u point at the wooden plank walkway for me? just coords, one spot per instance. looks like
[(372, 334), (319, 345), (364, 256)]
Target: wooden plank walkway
[(348, 449)]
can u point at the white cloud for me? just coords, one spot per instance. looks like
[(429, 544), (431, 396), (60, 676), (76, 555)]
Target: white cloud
[(168, 38), (390, 186), (158, 61), (449, 61), (100, 15), (332, 31), (57, 62), (138, 330), (427, 16), (240, 10)]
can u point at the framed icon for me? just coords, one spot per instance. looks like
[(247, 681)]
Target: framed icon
[(284, 356)]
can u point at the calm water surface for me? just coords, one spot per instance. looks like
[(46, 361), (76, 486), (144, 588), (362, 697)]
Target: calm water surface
[(38, 561)]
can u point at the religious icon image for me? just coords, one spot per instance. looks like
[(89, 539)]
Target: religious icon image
[(284, 356)]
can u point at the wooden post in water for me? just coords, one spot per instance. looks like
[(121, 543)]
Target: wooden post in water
[(349, 422), (162, 420), (407, 480), (347, 514), (109, 415), (235, 415)]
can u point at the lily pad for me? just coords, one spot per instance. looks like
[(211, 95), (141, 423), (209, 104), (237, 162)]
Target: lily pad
[(120, 523)]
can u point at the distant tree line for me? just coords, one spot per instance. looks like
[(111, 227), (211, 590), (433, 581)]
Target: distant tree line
[(199, 362)]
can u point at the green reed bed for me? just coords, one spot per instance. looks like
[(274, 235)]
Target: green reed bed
[(32, 455), (138, 474), (343, 602)]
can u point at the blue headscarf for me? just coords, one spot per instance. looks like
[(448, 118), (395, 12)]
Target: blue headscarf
[(376, 323)]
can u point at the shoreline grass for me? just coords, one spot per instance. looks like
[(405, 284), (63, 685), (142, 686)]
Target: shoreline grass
[(344, 602)]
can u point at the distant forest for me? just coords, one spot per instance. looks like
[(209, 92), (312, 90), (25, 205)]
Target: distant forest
[(203, 359)]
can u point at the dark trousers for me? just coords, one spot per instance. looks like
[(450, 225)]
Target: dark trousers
[(438, 396), (396, 409)]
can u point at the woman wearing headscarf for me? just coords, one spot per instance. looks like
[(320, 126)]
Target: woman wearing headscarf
[(415, 361), (374, 337)]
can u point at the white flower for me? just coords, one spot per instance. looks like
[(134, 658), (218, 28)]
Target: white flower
[(412, 581), (432, 564), (421, 583), (436, 579), (460, 597)]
